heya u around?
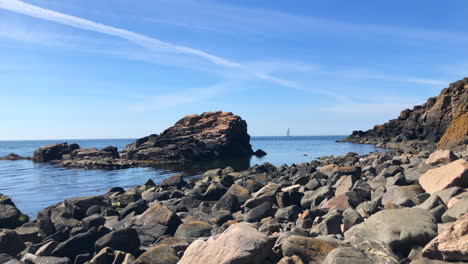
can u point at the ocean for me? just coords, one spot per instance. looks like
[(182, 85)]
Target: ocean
[(34, 186)]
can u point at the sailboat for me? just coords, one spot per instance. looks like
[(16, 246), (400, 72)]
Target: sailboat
[(287, 133)]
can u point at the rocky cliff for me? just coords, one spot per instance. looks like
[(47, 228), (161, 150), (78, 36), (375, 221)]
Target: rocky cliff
[(208, 136), (424, 125), (194, 138)]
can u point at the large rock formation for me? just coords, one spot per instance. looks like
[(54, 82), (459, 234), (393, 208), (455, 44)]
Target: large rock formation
[(194, 138), (208, 136), (443, 118)]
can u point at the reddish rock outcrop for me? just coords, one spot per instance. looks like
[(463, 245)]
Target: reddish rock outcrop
[(194, 138), (425, 124), (209, 136)]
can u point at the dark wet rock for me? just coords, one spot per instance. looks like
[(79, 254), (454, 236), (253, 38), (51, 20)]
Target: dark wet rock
[(265, 194), (93, 221), (176, 180), (259, 212), (351, 218), (77, 244), (10, 216), (288, 214), (331, 224), (125, 240), (10, 242), (13, 156), (30, 232), (137, 207), (155, 222), (260, 153), (313, 198), (51, 152), (77, 207), (228, 202)]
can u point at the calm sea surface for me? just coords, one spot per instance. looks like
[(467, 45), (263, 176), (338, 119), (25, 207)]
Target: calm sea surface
[(34, 186)]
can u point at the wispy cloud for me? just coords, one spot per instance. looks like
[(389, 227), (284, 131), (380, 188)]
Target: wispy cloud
[(230, 19), (139, 39), (189, 96)]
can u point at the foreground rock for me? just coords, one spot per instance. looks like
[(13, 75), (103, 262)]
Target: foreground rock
[(344, 209), (399, 228), (454, 174), (451, 244), (240, 243), (426, 124)]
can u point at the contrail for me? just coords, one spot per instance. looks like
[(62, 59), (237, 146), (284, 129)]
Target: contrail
[(77, 22), (140, 39)]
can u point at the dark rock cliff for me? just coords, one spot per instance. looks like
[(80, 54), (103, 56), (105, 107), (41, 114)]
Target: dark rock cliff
[(424, 125)]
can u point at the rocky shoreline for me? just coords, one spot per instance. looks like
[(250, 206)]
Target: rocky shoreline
[(390, 207)]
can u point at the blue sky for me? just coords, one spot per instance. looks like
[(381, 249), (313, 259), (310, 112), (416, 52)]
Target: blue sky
[(120, 68)]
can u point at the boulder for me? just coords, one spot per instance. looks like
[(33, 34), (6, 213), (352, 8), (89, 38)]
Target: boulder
[(176, 180), (193, 230), (155, 222), (402, 195), (258, 213), (160, 254), (401, 229), (29, 258), (260, 153), (265, 194), (125, 240), (378, 252), (241, 193), (346, 255), (456, 211), (451, 244), (81, 243), (240, 243), (309, 249), (209, 136), (343, 201), (50, 152), (454, 174), (441, 157), (10, 243)]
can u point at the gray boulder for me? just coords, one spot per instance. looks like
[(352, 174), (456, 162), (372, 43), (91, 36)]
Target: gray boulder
[(401, 229)]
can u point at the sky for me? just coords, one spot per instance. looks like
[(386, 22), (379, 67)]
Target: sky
[(85, 69)]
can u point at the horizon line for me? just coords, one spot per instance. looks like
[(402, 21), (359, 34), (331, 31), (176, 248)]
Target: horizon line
[(70, 139)]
